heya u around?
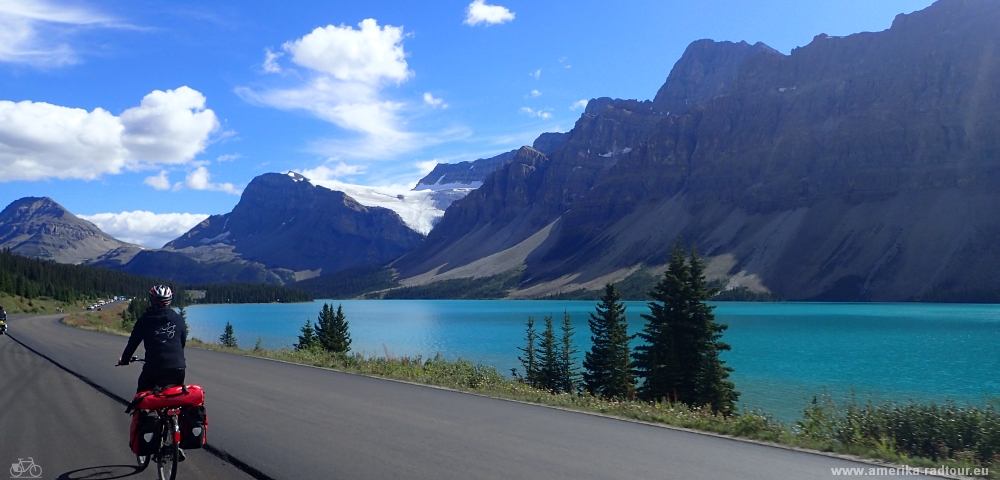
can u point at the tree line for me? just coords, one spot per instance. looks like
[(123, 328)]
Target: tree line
[(33, 278), (676, 361), (249, 293)]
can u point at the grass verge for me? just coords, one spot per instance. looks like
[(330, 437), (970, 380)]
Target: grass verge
[(918, 435), (14, 304)]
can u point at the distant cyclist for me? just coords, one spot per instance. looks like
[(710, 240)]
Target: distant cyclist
[(162, 331), (3, 321)]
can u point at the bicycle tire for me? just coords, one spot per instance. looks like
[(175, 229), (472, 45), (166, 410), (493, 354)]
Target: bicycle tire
[(166, 464)]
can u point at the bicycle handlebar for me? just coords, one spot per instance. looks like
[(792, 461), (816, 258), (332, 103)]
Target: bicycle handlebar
[(133, 359)]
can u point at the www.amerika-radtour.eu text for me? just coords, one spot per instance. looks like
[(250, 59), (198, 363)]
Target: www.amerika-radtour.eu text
[(906, 470)]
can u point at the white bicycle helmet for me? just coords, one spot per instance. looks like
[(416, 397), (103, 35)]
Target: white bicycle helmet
[(160, 295)]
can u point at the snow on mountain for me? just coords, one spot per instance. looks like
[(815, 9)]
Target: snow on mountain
[(420, 209)]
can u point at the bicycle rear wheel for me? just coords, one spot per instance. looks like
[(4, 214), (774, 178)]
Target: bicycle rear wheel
[(166, 461)]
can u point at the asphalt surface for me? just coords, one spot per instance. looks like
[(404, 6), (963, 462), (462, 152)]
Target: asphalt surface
[(68, 428), (290, 421)]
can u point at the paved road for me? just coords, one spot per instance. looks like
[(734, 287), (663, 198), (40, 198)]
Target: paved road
[(70, 429), (289, 421)]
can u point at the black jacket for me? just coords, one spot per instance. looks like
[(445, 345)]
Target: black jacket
[(162, 331)]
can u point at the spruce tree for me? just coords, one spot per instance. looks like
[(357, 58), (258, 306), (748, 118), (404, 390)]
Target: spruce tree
[(712, 386), (184, 318), (307, 341), (549, 368), (341, 338), (567, 363), (608, 365), (679, 360), (530, 359), (331, 330), (658, 360), (228, 338)]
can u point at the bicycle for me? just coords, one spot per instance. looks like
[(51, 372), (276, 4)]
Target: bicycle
[(25, 467), (167, 432)]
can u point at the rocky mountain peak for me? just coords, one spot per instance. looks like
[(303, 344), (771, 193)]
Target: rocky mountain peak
[(28, 207), (284, 221), (706, 70), (463, 174), (41, 228)]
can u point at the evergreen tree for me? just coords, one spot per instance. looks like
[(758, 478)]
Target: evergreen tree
[(133, 311), (530, 359), (342, 343), (184, 318), (567, 363), (259, 347), (548, 365), (608, 366), (307, 341), (331, 330), (658, 361), (712, 384), (679, 360), (228, 339)]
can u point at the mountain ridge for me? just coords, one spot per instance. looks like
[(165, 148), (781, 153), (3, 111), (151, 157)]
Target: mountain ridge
[(39, 227), (796, 177)]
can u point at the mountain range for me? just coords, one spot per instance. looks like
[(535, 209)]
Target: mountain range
[(863, 167)]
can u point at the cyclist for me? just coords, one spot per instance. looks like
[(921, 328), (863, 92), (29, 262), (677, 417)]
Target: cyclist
[(3, 321), (163, 332)]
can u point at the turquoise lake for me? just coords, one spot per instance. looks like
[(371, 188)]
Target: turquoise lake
[(783, 353)]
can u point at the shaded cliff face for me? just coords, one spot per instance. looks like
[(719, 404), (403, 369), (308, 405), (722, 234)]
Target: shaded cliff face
[(41, 228), (862, 167), (283, 221)]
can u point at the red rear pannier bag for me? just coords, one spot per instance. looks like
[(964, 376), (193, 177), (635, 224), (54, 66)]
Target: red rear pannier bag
[(142, 433), (186, 396)]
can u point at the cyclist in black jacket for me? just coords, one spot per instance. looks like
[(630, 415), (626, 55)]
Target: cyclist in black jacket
[(163, 332)]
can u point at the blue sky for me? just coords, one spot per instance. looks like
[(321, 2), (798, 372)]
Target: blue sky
[(145, 116)]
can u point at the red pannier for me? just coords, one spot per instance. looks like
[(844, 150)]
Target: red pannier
[(184, 396), (142, 434)]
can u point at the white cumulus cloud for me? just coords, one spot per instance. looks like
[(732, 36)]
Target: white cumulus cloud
[(479, 12), (39, 140), (168, 127), (536, 93), (145, 228), (434, 102), (347, 70), (33, 31), (201, 179), (536, 74), (535, 113), (159, 182), (579, 104), (370, 54)]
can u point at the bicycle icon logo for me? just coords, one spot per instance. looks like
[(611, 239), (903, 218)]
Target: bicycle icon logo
[(25, 469)]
